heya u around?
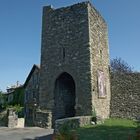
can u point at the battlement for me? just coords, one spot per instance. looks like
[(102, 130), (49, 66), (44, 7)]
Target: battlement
[(82, 4), (74, 7)]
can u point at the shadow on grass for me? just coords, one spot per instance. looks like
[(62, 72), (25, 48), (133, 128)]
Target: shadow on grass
[(138, 124), (100, 132)]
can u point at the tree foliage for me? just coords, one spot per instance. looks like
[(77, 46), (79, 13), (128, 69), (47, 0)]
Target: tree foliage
[(18, 97), (1, 96), (119, 65), (3, 99)]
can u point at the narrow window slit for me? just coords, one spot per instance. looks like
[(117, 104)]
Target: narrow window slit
[(63, 54)]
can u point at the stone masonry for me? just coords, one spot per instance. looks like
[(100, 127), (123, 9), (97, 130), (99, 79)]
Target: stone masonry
[(125, 99), (12, 118), (74, 75), (99, 61)]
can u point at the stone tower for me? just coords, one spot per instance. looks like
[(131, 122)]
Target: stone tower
[(74, 77)]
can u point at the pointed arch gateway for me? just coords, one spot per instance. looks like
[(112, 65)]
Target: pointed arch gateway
[(64, 96)]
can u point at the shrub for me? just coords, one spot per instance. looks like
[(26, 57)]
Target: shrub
[(18, 109), (138, 133), (3, 118), (65, 133)]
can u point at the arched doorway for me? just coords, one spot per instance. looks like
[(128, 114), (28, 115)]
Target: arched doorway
[(64, 96)]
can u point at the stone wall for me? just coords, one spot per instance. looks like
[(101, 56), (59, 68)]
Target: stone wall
[(72, 123), (125, 98), (12, 118), (99, 61), (43, 119)]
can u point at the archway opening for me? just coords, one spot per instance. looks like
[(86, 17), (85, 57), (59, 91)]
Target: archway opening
[(64, 96)]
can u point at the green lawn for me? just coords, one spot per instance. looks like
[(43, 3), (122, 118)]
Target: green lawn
[(112, 129)]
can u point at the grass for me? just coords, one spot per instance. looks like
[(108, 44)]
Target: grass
[(112, 129)]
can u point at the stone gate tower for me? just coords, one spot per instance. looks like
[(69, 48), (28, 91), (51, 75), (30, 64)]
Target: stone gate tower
[(74, 77)]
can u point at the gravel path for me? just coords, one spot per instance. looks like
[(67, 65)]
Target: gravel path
[(27, 133)]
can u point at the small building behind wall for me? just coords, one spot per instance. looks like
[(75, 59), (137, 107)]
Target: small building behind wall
[(15, 95), (31, 95)]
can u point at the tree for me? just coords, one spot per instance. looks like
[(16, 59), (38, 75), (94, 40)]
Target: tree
[(2, 100), (119, 65), (1, 97), (18, 96)]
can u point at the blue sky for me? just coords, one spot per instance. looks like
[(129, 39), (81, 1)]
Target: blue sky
[(20, 33)]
